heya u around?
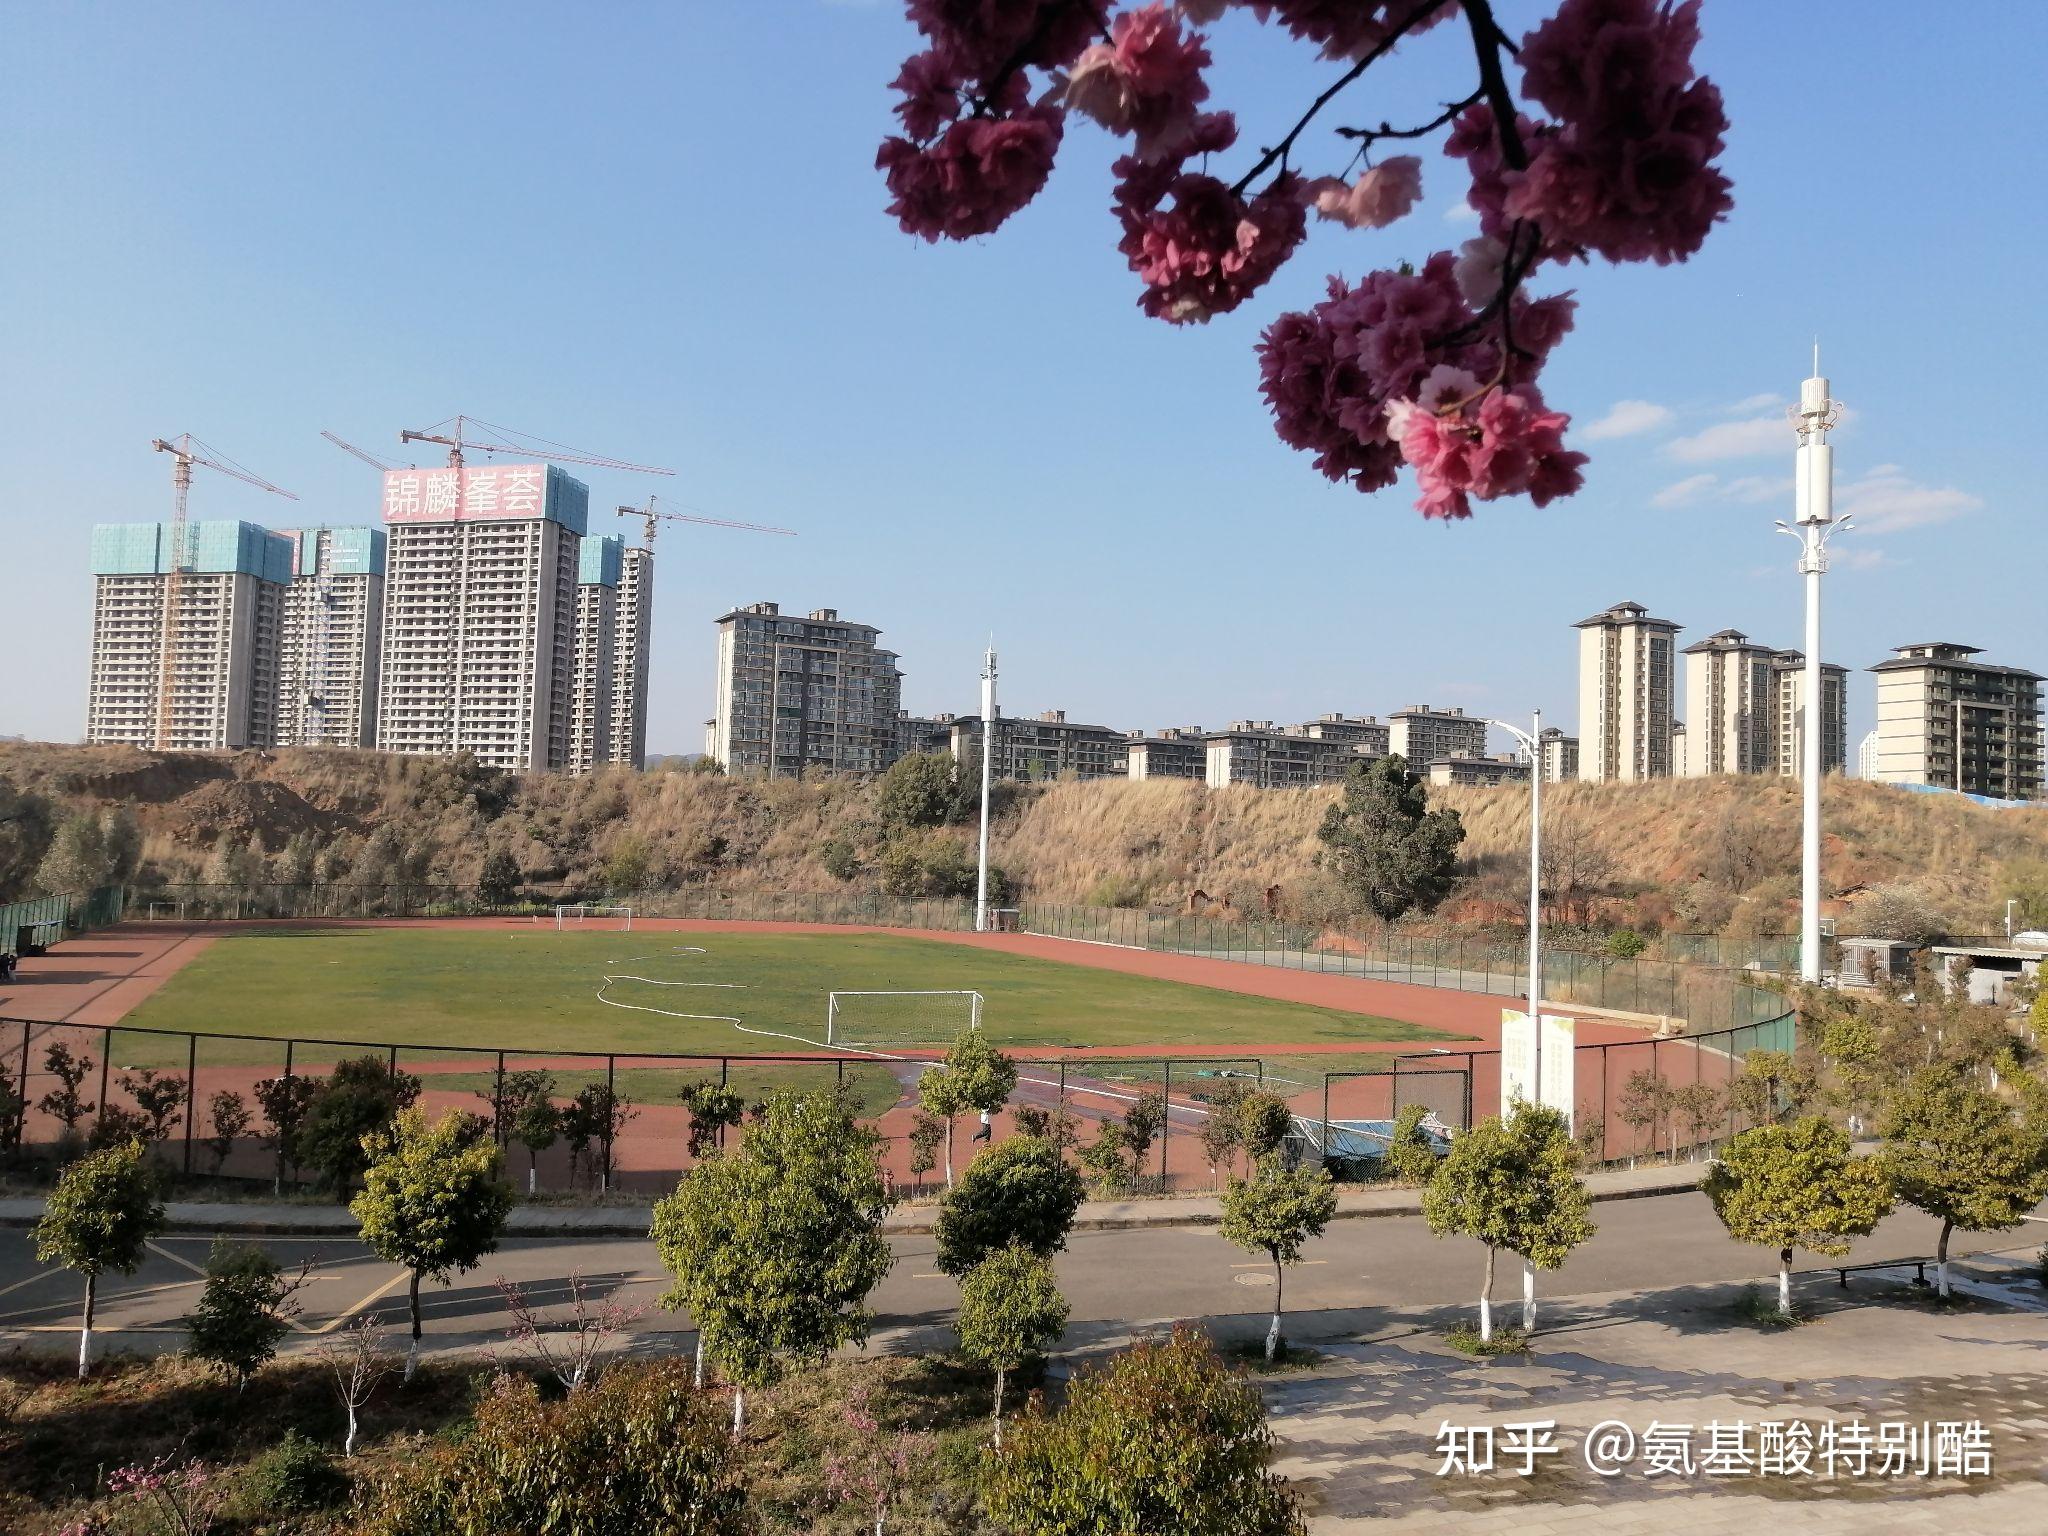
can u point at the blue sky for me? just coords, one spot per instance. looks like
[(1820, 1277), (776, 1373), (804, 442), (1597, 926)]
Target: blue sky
[(655, 231)]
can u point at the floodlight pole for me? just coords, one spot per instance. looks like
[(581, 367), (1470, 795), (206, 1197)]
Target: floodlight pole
[(1814, 501), (1532, 743), (988, 737)]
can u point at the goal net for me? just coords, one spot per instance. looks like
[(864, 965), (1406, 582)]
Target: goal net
[(585, 915), (900, 1018)]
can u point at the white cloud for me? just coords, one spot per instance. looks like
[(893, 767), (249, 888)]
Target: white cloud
[(1628, 418), (1889, 501), (1461, 213), (1752, 404), (1734, 440), (1757, 488), (1685, 491), (1853, 559)]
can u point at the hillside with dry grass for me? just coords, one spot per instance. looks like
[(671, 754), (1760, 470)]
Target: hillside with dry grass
[(1700, 854)]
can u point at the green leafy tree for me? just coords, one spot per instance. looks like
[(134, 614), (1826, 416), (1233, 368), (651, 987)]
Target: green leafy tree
[(1797, 1186), (1644, 1100), (26, 827), (121, 838), (776, 1245), (284, 1102), (1222, 1132), (628, 868), (64, 1102), (1020, 1192), (1513, 1184), (1963, 1156), (839, 859), (1411, 1156), (359, 1098), (99, 1218), (1264, 1120), (1699, 1105), (1275, 1212), (434, 1201), (926, 1132), (244, 1311), (532, 1118), (76, 861), (596, 1116), (299, 860), (1144, 1119), (1772, 1082), (1011, 1312), (231, 1118), (974, 1076), (923, 790), (158, 1098), (498, 883), (714, 1109), (635, 1455), (1107, 1159), (1161, 1438), (13, 1115), (1392, 853)]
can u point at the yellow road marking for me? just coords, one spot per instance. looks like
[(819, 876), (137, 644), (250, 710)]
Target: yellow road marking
[(142, 1290), (375, 1296)]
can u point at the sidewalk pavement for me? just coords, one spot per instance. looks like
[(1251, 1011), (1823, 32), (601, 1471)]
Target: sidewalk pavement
[(909, 1219)]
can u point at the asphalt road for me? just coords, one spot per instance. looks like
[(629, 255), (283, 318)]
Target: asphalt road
[(1667, 1247)]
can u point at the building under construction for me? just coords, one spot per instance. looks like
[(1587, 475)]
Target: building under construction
[(331, 639), (632, 636), (205, 676), (591, 691)]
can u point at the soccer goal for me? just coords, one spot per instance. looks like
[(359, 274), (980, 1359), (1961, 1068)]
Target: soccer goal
[(585, 915), (899, 1018)]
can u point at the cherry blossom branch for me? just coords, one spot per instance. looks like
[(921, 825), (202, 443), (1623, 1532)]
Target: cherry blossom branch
[(1487, 42), (992, 90), (1387, 130), (1384, 46)]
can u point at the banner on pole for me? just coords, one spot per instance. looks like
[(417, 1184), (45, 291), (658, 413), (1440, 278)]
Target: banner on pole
[(1518, 1061)]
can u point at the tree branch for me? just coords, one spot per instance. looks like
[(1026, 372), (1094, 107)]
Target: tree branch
[(1380, 49), (1386, 130), (1487, 42)]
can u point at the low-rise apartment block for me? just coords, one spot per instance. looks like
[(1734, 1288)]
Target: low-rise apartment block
[(332, 638), (1560, 756), (1373, 736), (922, 735), (1253, 753), (1179, 752), (1482, 772), (1045, 748), (1422, 735), (1949, 721)]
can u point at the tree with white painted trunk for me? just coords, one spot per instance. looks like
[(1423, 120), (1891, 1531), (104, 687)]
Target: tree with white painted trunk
[(1963, 1155), (434, 1201), (358, 1358), (1011, 1312), (1275, 1212), (1797, 1186), (99, 1219), (974, 1076), (776, 1244), (1513, 1184)]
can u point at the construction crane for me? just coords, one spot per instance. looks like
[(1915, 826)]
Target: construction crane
[(186, 450), (368, 458), (457, 435), (655, 519)]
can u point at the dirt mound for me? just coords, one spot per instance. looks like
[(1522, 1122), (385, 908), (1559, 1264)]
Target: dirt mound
[(262, 813)]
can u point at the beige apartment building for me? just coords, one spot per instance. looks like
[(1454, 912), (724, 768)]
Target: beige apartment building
[(224, 639), (1422, 735), (1560, 756), (814, 694), (1731, 706), (1788, 733), (1479, 772), (1254, 753), (1626, 678), (632, 639), (1366, 732), (332, 638), (1045, 748), (1949, 721), (1179, 752)]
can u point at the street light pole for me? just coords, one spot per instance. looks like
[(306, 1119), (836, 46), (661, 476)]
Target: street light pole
[(988, 736), (1532, 742)]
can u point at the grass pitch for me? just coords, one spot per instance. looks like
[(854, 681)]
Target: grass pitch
[(537, 991)]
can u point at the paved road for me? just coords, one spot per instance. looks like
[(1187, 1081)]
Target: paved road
[(1115, 1280)]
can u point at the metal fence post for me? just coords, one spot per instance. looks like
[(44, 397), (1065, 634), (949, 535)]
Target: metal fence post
[(191, 1092), (1166, 1123), (106, 1060), (611, 1116), (498, 1102)]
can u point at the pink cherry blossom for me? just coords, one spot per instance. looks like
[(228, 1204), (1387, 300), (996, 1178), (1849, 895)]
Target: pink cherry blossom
[(1385, 192), (1147, 80), (982, 170), (979, 39), (1510, 445), (931, 95), (1478, 269), (1350, 29)]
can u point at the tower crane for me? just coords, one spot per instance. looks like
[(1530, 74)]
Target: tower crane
[(655, 519), (185, 451), (368, 458), (459, 436)]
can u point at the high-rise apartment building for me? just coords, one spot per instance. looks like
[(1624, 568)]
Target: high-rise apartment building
[(1626, 677), (332, 638), (1178, 752), (1560, 756), (223, 639), (592, 688), (480, 612), (1375, 736), (1866, 756), (1045, 748), (1731, 706), (1788, 732), (1421, 735), (1947, 720), (796, 695), (631, 657)]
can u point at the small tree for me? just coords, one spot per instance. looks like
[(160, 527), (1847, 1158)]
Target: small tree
[(1411, 1155), (926, 1132), (526, 1104), (922, 790), (245, 1309), (714, 1109), (1011, 1311), (157, 1098), (1699, 1105), (434, 1200), (64, 1102), (974, 1076), (100, 1216), (1772, 1082), (1392, 853), (776, 1245), (1144, 1119), (77, 860), (231, 1118), (358, 1359), (878, 1472), (1275, 1212), (596, 1115), (1263, 1121), (284, 1102), (1107, 1159), (586, 1333), (1797, 1186), (1641, 1105), (1163, 1437), (1513, 1184), (359, 1099), (497, 885), (1960, 1154), (1222, 1132), (13, 1115), (1022, 1192)]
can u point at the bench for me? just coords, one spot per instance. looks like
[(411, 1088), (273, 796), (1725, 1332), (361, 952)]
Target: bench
[(1919, 1267)]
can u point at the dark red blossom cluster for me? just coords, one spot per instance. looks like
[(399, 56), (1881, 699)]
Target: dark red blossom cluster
[(1438, 369)]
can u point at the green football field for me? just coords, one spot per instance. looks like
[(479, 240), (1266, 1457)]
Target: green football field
[(539, 991)]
